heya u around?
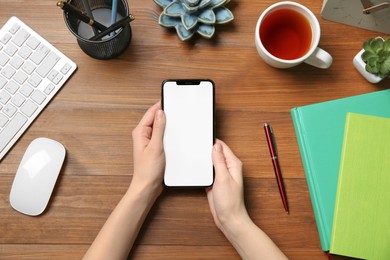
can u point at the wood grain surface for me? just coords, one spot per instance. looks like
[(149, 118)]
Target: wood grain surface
[(95, 112)]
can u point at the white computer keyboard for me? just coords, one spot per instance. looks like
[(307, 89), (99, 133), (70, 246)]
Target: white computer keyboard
[(31, 73)]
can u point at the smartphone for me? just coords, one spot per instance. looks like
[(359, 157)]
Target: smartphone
[(189, 132)]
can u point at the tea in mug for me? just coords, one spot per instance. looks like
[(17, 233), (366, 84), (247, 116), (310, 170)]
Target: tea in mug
[(286, 34)]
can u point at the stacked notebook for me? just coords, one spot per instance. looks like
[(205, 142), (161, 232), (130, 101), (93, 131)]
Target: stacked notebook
[(323, 144)]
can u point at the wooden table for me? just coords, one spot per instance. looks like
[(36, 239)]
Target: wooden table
[(95, 112)]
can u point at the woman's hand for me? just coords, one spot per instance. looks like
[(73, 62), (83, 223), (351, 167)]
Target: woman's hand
[(226, 196), (226, 200), (148, 151), (118, 234)]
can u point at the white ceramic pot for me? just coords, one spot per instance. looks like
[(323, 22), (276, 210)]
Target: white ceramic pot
[(360, 65)]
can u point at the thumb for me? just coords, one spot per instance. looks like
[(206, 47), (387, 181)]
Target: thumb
[(158, 127), (221, 170)]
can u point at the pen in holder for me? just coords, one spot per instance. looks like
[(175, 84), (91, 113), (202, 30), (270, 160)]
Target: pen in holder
[(97, 36)]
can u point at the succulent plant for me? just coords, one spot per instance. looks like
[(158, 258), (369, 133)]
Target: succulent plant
[(376, 55), (189, 17)]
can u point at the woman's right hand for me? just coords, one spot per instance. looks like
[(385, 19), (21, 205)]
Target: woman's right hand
[(226, 196), (226, 200)]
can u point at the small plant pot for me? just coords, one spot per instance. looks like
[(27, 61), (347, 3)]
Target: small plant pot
[(360, 65)]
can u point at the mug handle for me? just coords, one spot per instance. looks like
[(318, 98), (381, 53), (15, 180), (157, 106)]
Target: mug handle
[(320, 59)]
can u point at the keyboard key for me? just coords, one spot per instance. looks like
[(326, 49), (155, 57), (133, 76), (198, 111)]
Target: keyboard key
[(33, 43), (15, 27), (3, 120), (16, 62), (52, 75), (20, 77), (29, 108), (18, 100), (57, 79), (28, 67), (11, 129), (9, 110), (34, 80), (4, 97), (40, 54), (26, 90), (12, 87), (25, 52), (38, 97), (65, 69), (48, 64), (4, 39), (3, 59), (49, 89), (3, 81), (20, 37), (8, 72), (10, 49)]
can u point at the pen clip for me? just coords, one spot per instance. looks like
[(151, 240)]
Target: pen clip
[(273, 142)]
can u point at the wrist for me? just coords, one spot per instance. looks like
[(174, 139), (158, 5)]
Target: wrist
[(235, 224), (250, 241), (145, 193)]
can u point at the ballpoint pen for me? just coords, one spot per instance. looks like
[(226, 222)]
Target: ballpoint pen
[(275, 162), (90, 14), (77, 13), (122, 22)]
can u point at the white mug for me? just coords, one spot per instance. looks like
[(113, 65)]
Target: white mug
[(311, 54)]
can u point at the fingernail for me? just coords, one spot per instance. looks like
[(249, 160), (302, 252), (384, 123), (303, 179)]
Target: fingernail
[(217, 147), (159, 114)]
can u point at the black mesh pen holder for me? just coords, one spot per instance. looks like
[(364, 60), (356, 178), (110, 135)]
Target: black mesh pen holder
[(107, 47)]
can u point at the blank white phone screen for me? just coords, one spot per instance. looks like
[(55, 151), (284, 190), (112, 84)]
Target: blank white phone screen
[(188, 137)]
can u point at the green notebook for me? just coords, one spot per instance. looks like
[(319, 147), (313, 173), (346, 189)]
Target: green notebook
[(361, 224), (320, 129)]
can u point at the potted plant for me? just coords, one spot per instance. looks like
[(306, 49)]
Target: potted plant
[(373, 61)]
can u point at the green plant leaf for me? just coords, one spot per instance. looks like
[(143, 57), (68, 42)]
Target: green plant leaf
[(386, 44), (367, 47), (383, 72), (367, 54), (372, 65), (373, 70), (377, 44), (386, 67), (372, 61)]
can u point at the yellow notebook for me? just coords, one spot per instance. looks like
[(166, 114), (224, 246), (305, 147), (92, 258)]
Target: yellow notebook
[(361, 223)]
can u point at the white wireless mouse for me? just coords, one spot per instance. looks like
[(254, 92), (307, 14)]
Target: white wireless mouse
[(36, 176)]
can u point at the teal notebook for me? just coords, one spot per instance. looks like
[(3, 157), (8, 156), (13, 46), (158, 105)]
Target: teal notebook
[(320, 129)]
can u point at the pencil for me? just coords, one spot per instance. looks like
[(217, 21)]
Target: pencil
[(114, 8), (121, 23), (77, 13)]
